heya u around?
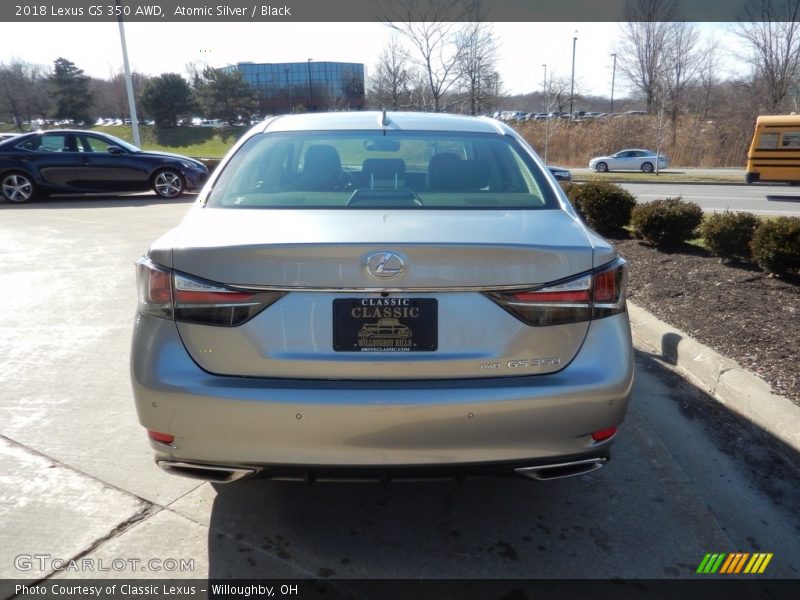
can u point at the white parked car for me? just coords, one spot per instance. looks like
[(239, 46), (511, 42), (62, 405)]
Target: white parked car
[(513, 115), (629, 160)]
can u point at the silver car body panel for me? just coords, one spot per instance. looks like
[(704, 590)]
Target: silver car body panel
[(273, 391), (327, 248), (365, 120), (293, 337), (310, 250), (260, 421)]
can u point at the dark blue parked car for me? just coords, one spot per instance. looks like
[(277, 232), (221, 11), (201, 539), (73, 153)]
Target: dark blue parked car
[(76, 161)]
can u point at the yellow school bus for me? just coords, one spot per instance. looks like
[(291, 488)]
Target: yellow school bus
[(774, 153)]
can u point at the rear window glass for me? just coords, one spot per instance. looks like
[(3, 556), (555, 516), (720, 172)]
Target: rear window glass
[(370, 169)]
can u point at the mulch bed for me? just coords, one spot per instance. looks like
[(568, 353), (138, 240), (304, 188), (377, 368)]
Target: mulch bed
[(732, 307)]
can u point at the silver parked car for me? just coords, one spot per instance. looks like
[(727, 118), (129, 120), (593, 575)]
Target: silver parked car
[(629, 160), (372, 295)]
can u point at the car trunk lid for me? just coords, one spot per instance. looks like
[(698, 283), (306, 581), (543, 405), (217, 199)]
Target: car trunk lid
[(321, 259)]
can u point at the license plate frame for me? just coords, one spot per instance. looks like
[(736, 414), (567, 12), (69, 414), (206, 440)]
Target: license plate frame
[(385, 324)]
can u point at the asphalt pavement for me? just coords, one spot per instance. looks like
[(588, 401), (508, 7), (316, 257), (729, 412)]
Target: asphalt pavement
[(723, 190), (688, 476)]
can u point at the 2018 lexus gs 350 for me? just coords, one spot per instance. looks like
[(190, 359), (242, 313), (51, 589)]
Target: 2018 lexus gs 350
[(381, 295)]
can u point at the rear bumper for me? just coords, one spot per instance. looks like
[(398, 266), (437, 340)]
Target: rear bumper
[(540, 470), (289, 423)]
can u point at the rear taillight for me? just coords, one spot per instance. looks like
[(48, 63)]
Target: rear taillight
[(593, 295), (172, 295)]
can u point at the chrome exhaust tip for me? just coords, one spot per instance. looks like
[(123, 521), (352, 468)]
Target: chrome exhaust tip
[(213, 473), (562, 470)]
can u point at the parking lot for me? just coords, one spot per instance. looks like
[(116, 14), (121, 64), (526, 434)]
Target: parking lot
[(77, 478)]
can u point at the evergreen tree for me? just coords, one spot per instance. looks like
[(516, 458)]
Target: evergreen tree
[(70, 90), (226, 96), (166, 98)]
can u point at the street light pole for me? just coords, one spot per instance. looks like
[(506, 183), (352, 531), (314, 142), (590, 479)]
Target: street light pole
[(496, 89), (544, 89), (613, 76), (309, 84), (547, 116), (288, 94), (572, 82), (129, 83)]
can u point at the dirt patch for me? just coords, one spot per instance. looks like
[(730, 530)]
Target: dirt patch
[(733, 307)]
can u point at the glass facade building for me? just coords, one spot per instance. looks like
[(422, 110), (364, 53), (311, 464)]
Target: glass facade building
[(316, 86)]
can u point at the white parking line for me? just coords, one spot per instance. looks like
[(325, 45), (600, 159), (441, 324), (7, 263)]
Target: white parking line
[(755, 211), (697, 197)]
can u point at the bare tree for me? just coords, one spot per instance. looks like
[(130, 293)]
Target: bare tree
[(708, 73), (558, 93), (477, 56), (771, 30), (645, 41), (24, 91), (430, 27), (680, 69), (418, 91), (111, 96), (389, 86)]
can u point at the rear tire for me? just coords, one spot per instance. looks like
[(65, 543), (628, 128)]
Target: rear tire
[(18, 187), (647, 167), (168, 184), (601, 167)]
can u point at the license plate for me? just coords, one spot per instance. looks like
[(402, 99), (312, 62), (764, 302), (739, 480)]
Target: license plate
[(385, 324)]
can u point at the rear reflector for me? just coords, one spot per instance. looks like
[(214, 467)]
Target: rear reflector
[(604, 434), (164, 438)]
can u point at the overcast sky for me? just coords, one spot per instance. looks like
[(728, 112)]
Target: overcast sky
[(156, 48)]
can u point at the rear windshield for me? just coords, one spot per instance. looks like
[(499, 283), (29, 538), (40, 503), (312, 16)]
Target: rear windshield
[(370, 169)]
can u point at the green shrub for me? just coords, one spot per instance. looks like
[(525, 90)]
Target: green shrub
[(666, 221), (729, 234), (776, 245), (606, 207)]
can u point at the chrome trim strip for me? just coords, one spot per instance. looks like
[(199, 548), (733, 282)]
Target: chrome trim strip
[(589, 465), (196, 471), (375, 290), (528, 287), (216, 305)]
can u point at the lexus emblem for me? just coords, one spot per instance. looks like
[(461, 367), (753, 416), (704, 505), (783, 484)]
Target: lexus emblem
[(385, 265)]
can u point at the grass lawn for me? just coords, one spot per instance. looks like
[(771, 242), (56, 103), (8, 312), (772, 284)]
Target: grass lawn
[(676, 175), (200, 142)]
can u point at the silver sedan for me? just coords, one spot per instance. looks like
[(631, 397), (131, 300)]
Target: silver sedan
[(373, 295), (629, 160)]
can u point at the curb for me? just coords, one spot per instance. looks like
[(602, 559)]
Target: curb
[(739, 390), (671, 182)]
